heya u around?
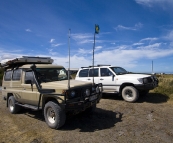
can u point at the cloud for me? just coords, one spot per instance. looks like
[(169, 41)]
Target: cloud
[(169, 35), (122, 55), (98, 47), (84, 51), (75, 61), (136, 27), (52, 40), (130, 57), (164, 4), (138, 44), (28, 30), (56, 45), (152, 46), (83, 38), (149, 39)]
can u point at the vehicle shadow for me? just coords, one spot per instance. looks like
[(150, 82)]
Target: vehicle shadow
[(153, 98), (98, 120), (33, 114), (150, 98), (112, 96), (87, 122)]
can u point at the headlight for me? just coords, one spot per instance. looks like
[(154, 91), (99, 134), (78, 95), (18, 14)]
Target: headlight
[(87, 92), (93, 88), (72, 94), (140, 80), (97, 89)]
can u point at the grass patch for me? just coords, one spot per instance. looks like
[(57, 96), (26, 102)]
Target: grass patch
[(165, 86)]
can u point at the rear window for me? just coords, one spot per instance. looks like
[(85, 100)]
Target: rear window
[(83, 73), (8, 75)]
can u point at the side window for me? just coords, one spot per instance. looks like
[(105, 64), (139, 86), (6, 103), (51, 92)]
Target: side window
[(105, 72), (16, 74), (8, 75), (83, 73), (93, 71), (29, 76)]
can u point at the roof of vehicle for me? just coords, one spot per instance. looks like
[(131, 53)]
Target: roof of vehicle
[(42, 66), (25, 60)]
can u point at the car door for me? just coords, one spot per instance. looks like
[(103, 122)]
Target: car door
[(87, 75), (93, 75), (107, 78), (82, 75), (16, 84), (30, 94)]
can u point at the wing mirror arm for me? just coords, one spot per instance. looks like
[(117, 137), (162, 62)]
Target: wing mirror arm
[(113, 77)]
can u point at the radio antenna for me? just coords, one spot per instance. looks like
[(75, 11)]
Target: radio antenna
[(69, 58)]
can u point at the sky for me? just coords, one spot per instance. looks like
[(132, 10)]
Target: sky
[(133, 33)]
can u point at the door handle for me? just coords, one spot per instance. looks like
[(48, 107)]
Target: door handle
[(101, 79), (89, 79)]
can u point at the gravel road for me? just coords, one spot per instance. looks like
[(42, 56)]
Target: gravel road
[(149, 120)]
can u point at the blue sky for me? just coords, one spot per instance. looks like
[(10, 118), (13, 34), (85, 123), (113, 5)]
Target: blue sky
[(133, 33)]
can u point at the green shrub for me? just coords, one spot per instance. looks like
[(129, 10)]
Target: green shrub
[(165, 86)]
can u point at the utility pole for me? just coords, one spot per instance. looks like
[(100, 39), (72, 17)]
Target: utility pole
[(96, 32), (69, 58), (152, 66)]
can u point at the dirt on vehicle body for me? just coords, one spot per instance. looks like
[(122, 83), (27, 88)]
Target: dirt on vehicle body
[(148, 120)]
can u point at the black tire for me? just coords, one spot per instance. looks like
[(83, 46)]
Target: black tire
[(54, 115), (13, 108), (130, 94), (143, 92)]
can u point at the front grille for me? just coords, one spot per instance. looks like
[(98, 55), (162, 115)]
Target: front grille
[(148, 80), (80, 92)]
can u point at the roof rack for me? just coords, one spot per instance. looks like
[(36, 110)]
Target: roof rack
[(26, 60), (88, 67), (103, 65), (95, 66)]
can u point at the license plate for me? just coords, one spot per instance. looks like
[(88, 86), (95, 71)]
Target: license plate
[(93, 97)]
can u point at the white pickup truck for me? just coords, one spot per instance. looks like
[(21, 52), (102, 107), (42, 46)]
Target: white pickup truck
[(118, 80)]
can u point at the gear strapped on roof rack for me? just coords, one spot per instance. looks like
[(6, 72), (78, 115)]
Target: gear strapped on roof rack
[(26, 60)]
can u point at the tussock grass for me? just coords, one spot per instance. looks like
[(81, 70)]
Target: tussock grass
[(165, 86)]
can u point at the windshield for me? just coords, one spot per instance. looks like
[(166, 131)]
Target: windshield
[(119, 70), (51, 74)]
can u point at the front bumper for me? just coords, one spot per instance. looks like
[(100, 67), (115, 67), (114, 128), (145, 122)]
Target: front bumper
[(148, 86), (82, 105)]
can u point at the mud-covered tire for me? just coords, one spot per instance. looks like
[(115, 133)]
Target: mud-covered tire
[(13, 108), (130, 94), (54, 115)]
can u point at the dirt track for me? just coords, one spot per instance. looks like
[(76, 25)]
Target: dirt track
[(148, 120)]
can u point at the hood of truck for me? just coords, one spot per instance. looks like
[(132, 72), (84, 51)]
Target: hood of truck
[(64, 84), (134, 76)]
